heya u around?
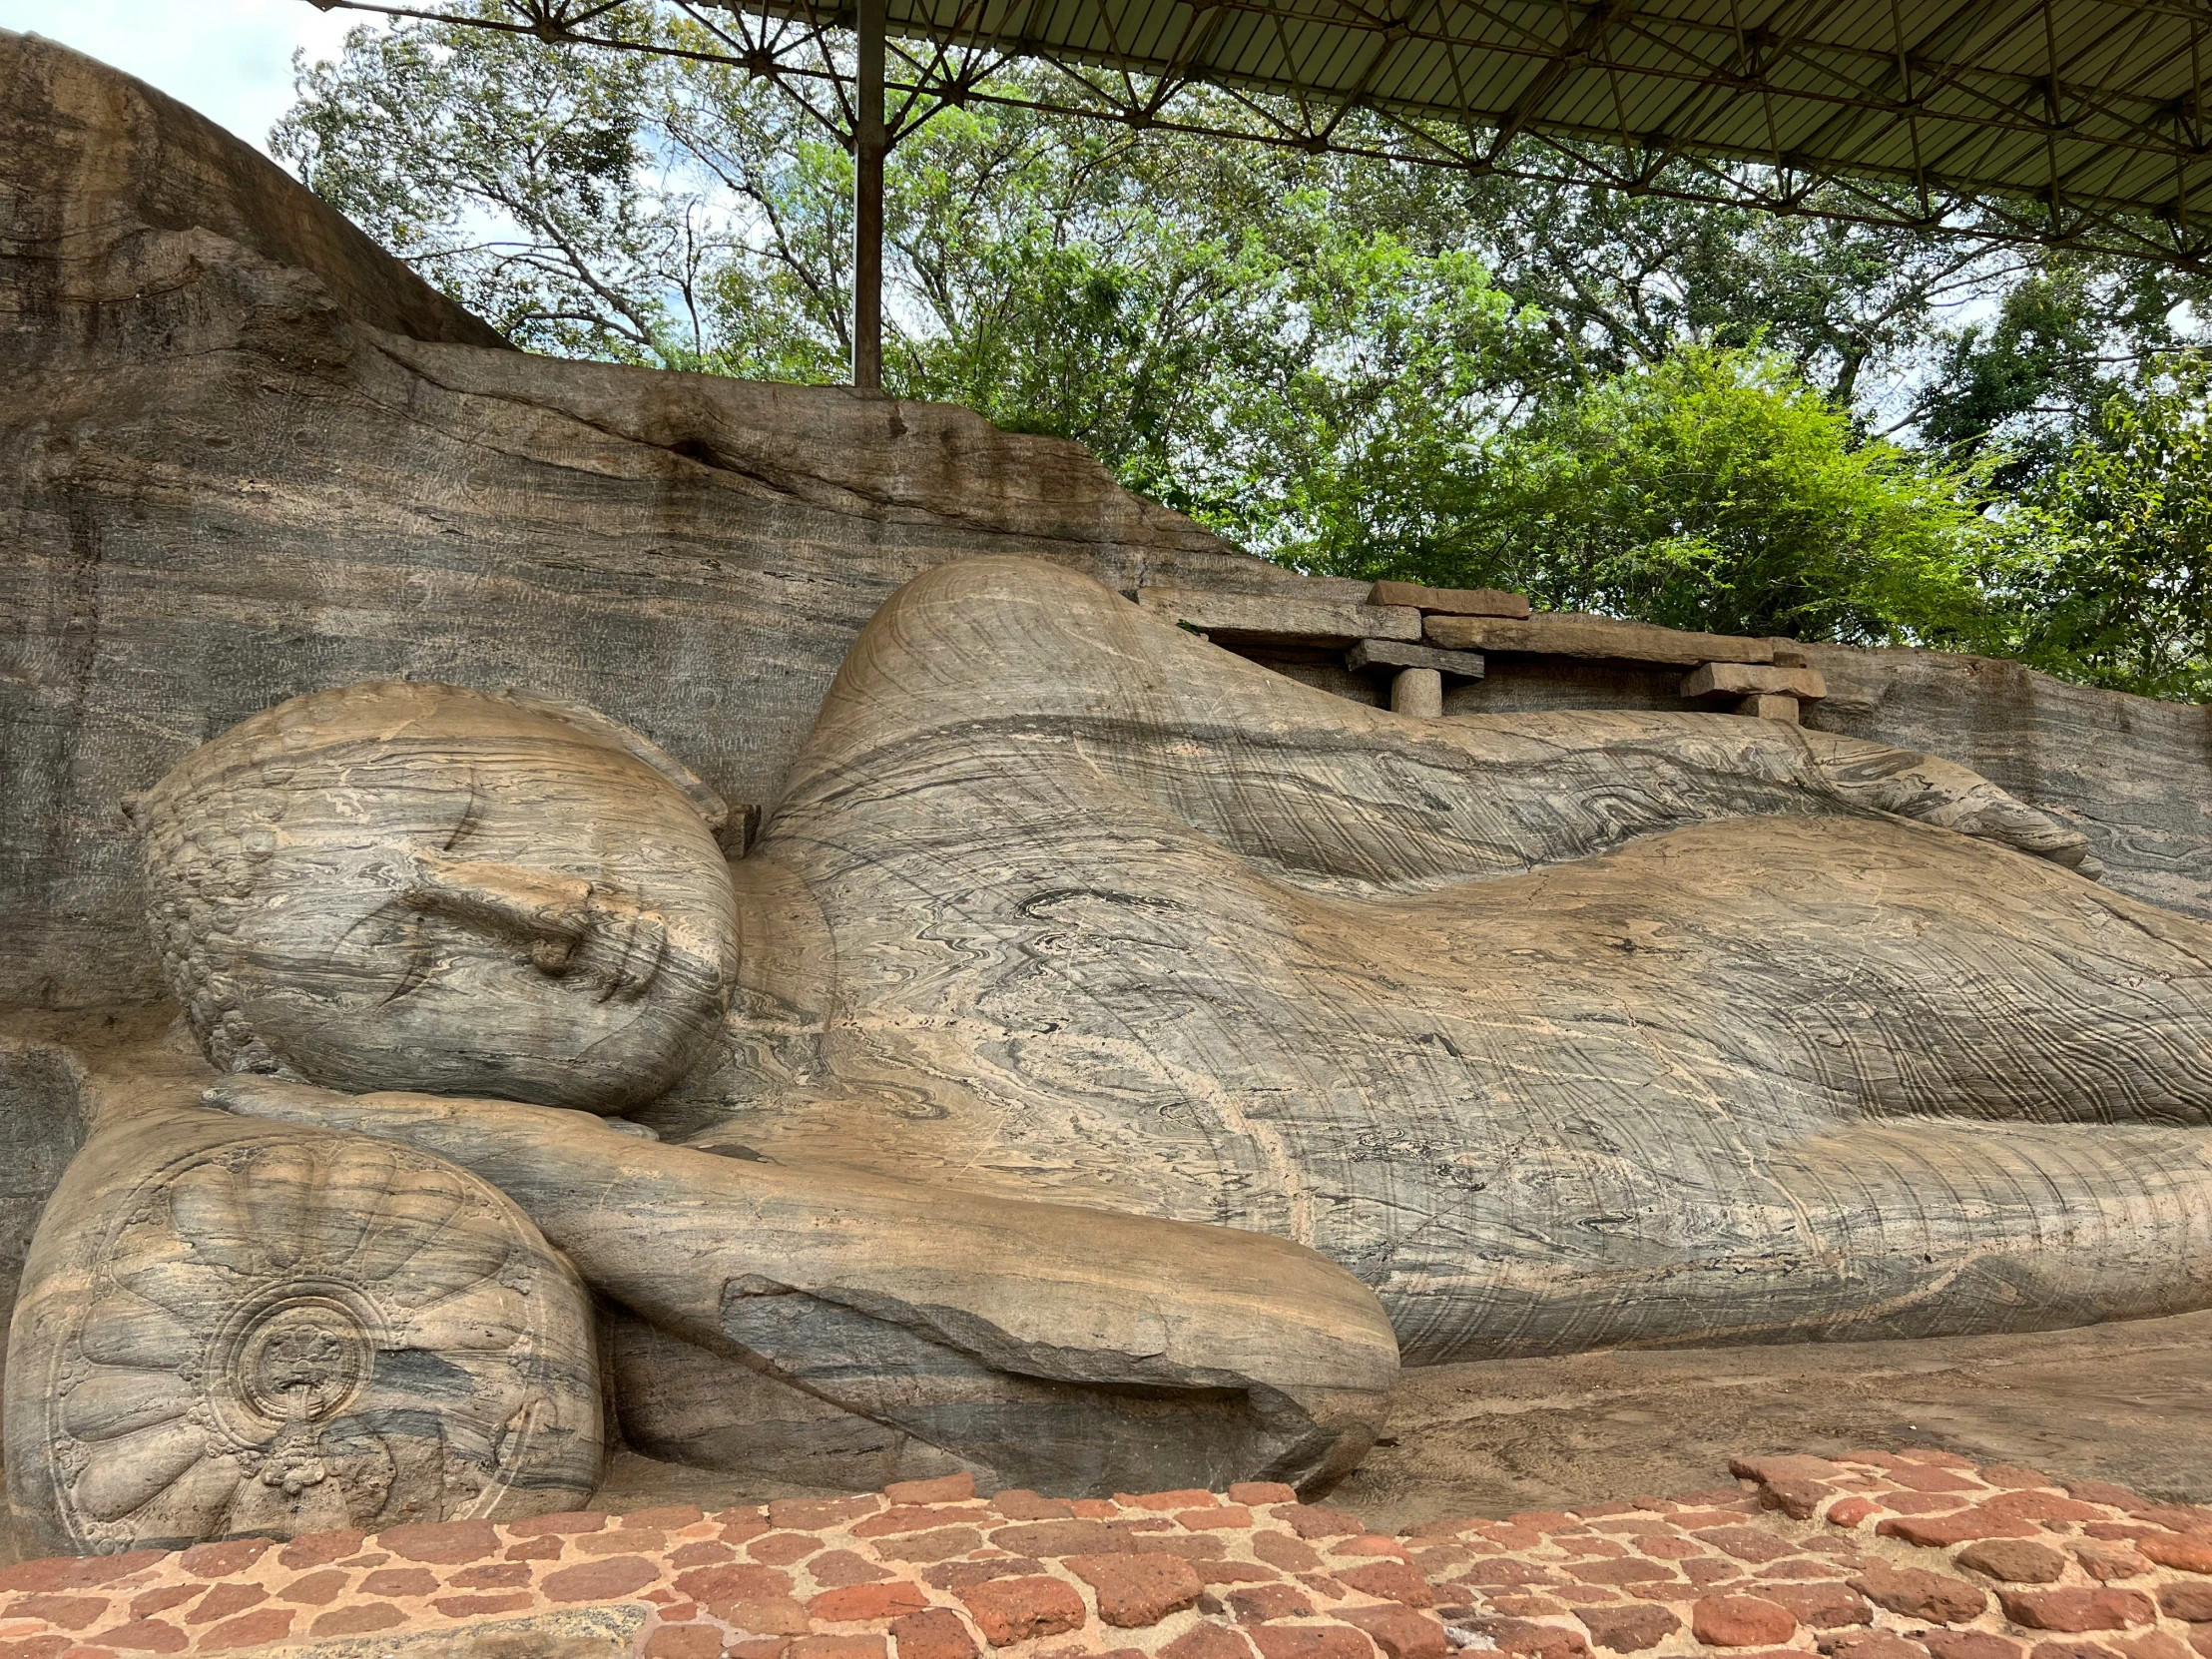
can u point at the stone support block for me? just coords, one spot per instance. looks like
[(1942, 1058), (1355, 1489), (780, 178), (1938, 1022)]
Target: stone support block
[(1269, 619), (1771, 706), (1449, 600), (1417, 691), (1754, 679), (1603, 638)]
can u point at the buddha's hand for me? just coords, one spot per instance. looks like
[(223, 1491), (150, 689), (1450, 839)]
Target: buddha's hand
[(1931, 791), (251, 1095)]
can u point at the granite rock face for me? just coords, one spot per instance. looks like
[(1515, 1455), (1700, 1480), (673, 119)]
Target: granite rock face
[(244, 454), (42, 1126)]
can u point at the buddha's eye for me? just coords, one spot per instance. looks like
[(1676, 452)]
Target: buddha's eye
[(393, 926), (472, 815)]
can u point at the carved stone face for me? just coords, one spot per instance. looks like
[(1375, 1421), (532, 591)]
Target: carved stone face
[(450, 892)]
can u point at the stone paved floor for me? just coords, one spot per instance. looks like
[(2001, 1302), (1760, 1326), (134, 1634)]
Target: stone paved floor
[(2129, 1401), (1917, 1554)]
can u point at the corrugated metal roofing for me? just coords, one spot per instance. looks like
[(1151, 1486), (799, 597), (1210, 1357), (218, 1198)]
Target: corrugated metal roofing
[(2081, 119), (2069, 122)]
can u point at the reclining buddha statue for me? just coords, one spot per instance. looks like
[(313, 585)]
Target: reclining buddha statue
[(1111, 1056)]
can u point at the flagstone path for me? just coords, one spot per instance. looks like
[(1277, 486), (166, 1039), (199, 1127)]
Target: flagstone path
[(1915, 1554)]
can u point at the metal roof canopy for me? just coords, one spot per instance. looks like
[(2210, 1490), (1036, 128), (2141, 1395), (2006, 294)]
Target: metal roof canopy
[(2066, 123)]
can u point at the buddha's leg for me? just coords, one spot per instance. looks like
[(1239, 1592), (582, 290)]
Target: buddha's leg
[(1879, 1231), (1923, 1229), (1876, 969), (1766, 1080)]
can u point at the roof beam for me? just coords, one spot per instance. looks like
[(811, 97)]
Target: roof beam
[(1588, 36), (1918, 113)]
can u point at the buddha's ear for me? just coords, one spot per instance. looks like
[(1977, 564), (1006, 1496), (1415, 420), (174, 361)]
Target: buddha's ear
[(585, 718)]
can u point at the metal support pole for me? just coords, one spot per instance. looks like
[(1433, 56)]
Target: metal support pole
[(867, 203)]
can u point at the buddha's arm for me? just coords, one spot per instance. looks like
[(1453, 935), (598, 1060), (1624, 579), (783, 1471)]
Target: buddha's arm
[(1398, 802), (1942, 792), (1059, 699), (693, 1242)]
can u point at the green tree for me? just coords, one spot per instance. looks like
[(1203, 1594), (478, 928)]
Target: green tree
[(1193, 312), (1623, 280), (1619, 403), (1712, 490), (2105, 569), (1081, 281), (2069, 335), (510, 179)]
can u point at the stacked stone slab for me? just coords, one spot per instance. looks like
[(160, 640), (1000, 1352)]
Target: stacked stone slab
[(1765, 679), (1914, 1554), (1423, 640)]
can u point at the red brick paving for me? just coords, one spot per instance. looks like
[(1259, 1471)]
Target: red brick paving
[(1912, 1554)]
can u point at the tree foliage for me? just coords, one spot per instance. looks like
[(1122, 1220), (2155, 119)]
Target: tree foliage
[(509, 179), (1714, 490), (1703, 417), (2103, 571)]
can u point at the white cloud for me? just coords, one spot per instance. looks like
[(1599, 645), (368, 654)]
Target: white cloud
[(229, 58)]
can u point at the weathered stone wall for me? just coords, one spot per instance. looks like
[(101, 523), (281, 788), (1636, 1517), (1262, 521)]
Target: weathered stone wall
[(244, 454), (88, 156), (41, 1127)]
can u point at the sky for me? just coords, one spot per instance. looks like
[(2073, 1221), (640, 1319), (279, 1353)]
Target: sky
[(229, 58)]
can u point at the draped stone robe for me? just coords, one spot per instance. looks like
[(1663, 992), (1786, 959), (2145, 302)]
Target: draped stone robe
[(1560, 1031)]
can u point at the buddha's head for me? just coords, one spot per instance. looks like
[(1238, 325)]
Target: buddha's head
[(400, 885)]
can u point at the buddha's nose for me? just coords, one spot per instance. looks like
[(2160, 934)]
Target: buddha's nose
[(552, 912)]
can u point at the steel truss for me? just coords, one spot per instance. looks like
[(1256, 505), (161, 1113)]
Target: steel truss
[(2055, 123)]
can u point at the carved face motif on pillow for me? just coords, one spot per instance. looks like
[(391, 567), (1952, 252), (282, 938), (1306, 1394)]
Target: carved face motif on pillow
[(416, 886)]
